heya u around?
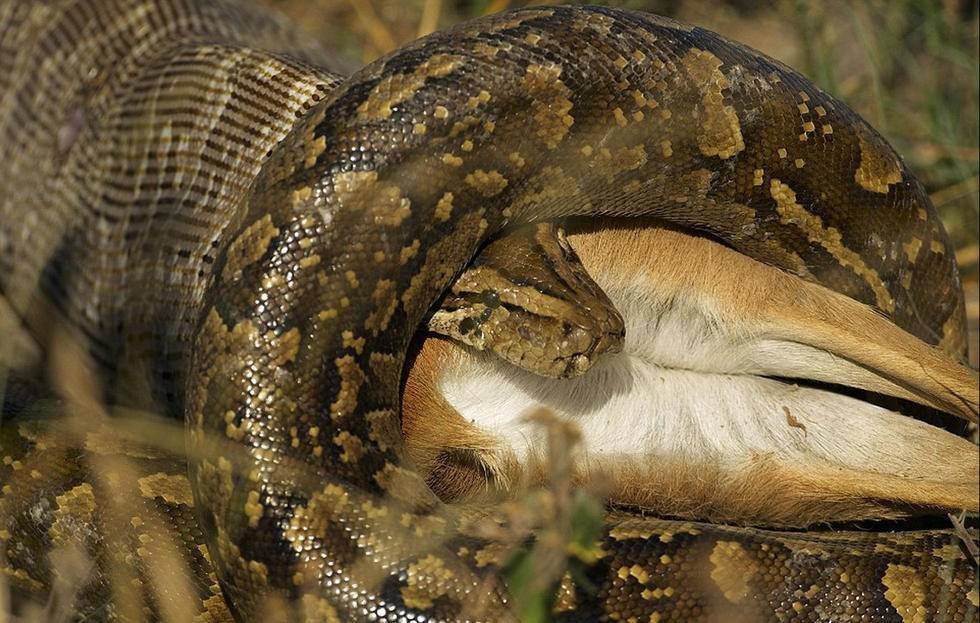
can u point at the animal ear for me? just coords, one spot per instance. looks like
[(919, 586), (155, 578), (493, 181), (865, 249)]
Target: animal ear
[(528, 299)]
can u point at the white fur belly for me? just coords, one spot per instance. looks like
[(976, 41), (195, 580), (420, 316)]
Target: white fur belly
[(682, 385)]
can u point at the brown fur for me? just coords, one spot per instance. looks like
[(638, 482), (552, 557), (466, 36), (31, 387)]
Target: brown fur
[(781, 305)]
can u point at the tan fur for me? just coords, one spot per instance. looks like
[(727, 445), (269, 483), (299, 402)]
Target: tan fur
[(854, 345), (771, 302), (456, 457), (810, 493)]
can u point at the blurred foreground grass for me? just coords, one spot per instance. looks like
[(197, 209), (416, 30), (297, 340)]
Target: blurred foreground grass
[(910, 67)]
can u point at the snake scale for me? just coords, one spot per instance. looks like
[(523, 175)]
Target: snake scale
[(251, 240)]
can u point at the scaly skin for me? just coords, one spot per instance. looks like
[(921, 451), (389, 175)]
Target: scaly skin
[(268, 283)]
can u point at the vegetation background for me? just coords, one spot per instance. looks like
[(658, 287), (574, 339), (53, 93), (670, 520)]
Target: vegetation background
[(910, 67)]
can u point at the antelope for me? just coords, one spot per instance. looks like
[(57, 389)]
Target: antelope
[(725, 404)]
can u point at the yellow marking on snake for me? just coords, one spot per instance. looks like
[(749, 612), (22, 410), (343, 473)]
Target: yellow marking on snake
[(408, 252), (301, 196), (451, 160), (973, 595), (361, 191), (487, 183), (720, 133), (323, 506), (830, 239), (353, 447), (253, 508), (550, 103), (657, 593), (732, 569), (397, 88), (351, 379), (249, 247), (444, 208), (905, 591), (879, 168), (317, 147), (602, 24), (74, 508), (911, 249), (622, 160), (385, 302), (173, 489), (426, 581)]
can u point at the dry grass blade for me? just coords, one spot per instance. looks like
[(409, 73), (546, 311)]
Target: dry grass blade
[(965, 537), (381, 38), (495, 6), (429, 21), (965, 188)]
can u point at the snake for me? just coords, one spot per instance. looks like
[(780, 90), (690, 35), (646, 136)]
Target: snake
[(225, 232)]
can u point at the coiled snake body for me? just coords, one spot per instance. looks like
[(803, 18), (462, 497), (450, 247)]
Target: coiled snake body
[(212, 211)]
